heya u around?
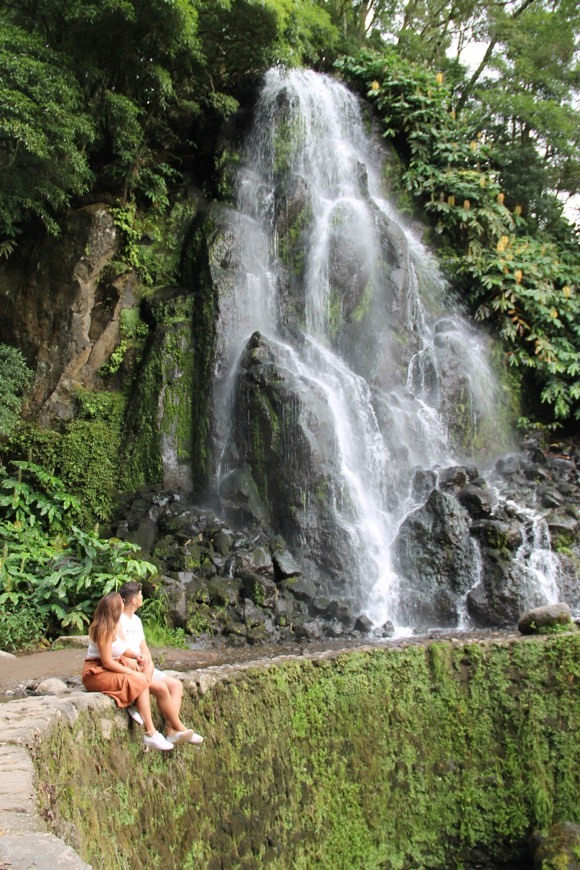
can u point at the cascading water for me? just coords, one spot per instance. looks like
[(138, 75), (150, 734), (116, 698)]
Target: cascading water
[(340, 358)]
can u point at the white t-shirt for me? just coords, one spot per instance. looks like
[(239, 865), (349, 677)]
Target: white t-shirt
[(132, 628), (133, 631)]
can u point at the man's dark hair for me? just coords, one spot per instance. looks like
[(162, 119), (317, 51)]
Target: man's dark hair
[(129, 590)]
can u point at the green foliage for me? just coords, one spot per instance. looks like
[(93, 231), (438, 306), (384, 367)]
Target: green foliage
[(84, 454), (131, 92), (526, 285), (134, 332), (534, 123), (88, 460), (15, 376), (46, 561), (530, 290), (21, 627), (243, 38), (44, 131), (151, 243), (156, 624), (75, 111)]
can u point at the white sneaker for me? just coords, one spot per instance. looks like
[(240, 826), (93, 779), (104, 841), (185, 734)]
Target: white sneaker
[(135, 714), (157, 741), (180, 737), (185, 737)]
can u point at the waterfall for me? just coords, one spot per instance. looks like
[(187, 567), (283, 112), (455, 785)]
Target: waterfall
[(368, 370)]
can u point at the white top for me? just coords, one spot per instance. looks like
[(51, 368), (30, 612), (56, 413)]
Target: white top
[(118, 647), (132, 628)]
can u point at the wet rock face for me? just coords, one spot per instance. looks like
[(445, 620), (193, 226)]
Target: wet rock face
[(61, 310), (505, 589), (470, 546), (549, 482), (559, 847), (433, 551), (283, 434), (459, 554)]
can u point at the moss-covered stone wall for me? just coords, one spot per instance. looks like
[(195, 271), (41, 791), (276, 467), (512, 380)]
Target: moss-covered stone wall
[(440, 756)]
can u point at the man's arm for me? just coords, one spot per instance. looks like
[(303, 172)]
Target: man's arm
[(145, 660)]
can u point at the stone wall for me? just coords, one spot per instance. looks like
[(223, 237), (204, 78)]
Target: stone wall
[(434, 755)]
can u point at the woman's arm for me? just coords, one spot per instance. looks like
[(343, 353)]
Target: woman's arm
[(106, 656), (129, 653)]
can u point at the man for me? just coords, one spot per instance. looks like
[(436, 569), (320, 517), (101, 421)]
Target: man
[(167, 690)]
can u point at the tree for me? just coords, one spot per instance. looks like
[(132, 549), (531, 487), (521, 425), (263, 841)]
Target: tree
[(44, 132), (129, 59), (533, 122)]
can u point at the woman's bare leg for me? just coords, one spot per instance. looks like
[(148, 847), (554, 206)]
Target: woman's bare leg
[(143, 704), (169, 705)]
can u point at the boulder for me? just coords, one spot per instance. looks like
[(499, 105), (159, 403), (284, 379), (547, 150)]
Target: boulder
[(533, 621), (559, 848), (434, 556), (80, 641), (506, 588), (51, 686)]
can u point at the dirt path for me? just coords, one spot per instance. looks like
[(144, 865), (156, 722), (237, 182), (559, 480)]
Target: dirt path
[(65, 663), (53, 663)]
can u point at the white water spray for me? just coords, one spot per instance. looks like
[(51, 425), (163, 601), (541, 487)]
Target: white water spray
[(383, 392)]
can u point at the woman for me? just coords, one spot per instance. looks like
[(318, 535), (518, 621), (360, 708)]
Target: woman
[(166, 690), (110, 670)]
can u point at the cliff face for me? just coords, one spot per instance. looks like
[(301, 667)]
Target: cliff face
[(422, 756), (59, 308)]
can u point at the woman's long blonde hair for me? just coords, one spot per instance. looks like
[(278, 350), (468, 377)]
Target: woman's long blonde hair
[(104, 625)]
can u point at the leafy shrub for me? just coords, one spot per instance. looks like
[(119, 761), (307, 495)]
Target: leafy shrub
[(21, 627), (43, 129), (83, 455), (156, 624), (49, 563), (15, 376)]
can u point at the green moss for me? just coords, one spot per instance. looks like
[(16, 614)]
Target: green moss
[(364, 305), (287, 139), (134, 334), (177, 378), (196, 274), (84, 453), (291, 245), (563, 539), (141, 452), (335, 313), (410, 758)]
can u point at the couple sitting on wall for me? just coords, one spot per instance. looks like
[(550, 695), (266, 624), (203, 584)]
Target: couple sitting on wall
[(119, 664)]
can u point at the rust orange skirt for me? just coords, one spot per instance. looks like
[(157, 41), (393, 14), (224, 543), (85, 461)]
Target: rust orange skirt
[(124, 688)]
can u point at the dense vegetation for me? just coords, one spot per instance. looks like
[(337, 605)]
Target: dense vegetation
[(123, 101)]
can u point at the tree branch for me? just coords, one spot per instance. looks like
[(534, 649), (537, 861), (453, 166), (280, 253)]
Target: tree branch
[(485, 60)]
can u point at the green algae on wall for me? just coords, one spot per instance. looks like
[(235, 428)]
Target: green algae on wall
[(419, 757), (160, 413), (196, 273)]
